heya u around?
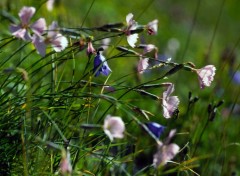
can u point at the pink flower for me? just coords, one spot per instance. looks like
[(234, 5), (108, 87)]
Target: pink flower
[(169, 103), (22, 30), (152, 27), (90, 49), (150, 47), (206, 75), (65, 164), (113, 127), (142, 65), (166, 151), (131, 25), (57, 40)]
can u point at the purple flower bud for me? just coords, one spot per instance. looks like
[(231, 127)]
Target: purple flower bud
[(155, 128)]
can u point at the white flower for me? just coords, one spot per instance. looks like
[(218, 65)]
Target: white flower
[(142, 65), (131, 25), (169, 103), (113, 127), (206, 75), (152, 27)]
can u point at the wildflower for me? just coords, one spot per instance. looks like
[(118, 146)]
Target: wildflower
[(155, 128), (142, 65), (50, 4), (90, 49), (169, 103), (131, 25), (148, 48), (57, 40), (206, 75), (100, 65), (166, 151), (65, 164), (113, 127), (22, 30), (152, 27)]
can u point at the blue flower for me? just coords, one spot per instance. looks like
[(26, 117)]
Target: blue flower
[(155, 128), (100, 65)]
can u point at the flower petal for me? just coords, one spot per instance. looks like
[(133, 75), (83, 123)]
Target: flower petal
[(101, 66), (52, 30), (26, 14), (132, 39), (39, 44), (165, 153), (152, 27), (39, 26), (206, 75), (142, 65), (59, 43), (169, 103), (129, 18)]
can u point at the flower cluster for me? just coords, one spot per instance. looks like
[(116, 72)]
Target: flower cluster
[(41, 36), (36, 32)]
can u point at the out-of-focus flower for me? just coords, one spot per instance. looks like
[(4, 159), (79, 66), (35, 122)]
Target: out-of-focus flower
[(54, 38), (206, 75), (169, 103), (152, 27), (166, 151), (131, 25), (142, 65), (235, 76), (113, 127), (100, 65), (155, 128), (105, 43), (65, 164), (22, 30), (50, 4)]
